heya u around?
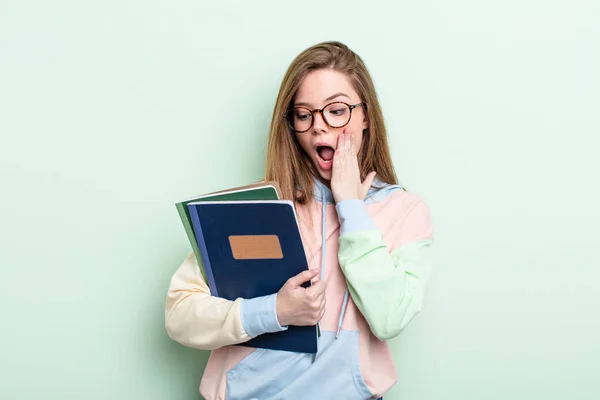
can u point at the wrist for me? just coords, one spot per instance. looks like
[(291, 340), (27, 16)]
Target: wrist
[(279, 311), (344, 198), (258, 315)]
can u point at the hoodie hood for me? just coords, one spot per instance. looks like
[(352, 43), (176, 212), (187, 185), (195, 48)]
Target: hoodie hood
[(377, 191)]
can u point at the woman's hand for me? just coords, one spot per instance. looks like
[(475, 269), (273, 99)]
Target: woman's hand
[(345, 175), (297, 305)]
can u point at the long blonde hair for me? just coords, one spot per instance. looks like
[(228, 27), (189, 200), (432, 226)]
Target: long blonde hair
[(286, 162)]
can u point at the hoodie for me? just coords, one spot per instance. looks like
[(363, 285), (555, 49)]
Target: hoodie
[(376, 258)]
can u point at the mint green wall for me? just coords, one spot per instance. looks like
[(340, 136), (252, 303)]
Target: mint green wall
[(111, 111)]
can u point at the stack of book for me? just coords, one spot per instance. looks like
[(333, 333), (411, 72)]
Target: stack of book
[(247, 243)]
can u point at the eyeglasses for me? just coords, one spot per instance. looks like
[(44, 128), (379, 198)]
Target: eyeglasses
[(335, 115)]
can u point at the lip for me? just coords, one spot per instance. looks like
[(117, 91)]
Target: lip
[(318, 144)]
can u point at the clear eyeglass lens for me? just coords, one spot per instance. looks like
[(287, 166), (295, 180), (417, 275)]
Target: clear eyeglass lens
[(336, 115)]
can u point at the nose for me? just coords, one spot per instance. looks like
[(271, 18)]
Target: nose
[(319, 125)]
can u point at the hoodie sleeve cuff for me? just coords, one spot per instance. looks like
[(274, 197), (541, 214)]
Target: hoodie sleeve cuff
[(259, 315), (353, 216)]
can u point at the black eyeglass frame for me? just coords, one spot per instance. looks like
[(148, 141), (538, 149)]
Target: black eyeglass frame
[(320, 111)]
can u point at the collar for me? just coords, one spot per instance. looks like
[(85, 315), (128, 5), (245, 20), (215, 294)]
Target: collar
[(377, 190)]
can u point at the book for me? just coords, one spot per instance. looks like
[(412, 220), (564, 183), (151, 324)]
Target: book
[(262, 190), (250, 248)]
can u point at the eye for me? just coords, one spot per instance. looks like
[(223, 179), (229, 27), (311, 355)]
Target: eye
[(301, 115), (337, 111)]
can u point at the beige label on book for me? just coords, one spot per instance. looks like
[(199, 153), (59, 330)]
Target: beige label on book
[(249, 247)]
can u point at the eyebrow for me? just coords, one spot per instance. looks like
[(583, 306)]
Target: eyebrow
[(326, 100)]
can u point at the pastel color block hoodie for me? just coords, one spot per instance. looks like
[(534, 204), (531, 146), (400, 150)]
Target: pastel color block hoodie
[(375, 256)]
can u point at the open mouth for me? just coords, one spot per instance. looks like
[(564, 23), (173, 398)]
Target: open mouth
[(325, 156), (325, 153)]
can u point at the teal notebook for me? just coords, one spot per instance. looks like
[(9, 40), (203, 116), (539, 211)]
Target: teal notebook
[(263, 190)]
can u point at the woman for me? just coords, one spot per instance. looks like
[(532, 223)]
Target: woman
[(368, 244)]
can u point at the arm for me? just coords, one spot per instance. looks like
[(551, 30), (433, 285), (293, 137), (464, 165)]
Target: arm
[(196, 319), (387, 287)]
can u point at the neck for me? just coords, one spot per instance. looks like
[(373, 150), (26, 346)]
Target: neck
[(322, 190)]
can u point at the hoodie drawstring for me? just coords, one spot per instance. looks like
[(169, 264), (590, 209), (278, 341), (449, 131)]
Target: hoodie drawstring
[(323, 246)]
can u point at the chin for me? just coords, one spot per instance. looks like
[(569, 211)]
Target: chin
[(325, 174)]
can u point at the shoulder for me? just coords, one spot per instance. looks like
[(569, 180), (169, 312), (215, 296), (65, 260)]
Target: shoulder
[(408, 202), (403, 205), (394, 198), (406, 214)]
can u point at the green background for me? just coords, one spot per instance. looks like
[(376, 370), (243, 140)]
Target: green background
[(112, 111)]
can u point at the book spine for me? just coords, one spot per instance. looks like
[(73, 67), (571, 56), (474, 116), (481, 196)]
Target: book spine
[(184, 215), (203, 251)]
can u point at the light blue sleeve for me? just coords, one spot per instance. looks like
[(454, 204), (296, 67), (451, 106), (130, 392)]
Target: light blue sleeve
[(353, 216), (259, 315)]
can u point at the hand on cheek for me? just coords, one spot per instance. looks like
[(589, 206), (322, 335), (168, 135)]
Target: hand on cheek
[(345, 175)]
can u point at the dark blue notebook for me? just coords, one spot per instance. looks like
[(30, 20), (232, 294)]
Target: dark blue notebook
[(250, 249)]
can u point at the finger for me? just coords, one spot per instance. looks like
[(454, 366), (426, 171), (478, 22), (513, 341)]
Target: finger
[(348, 143), (352, 145), (338, 155), (341, 154), (304, 276), (341, 143), (339, 151), (316, 289), (319, 289), (366, 185), (321, 313), (322, 288), (321, 295), (317, 304), (369, 179)]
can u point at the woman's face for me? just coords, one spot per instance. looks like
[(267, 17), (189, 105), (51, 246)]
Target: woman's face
[(316, 91)]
